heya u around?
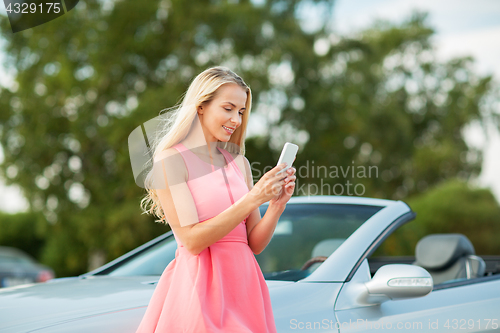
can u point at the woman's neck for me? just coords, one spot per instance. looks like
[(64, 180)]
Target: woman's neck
[(201, 146)]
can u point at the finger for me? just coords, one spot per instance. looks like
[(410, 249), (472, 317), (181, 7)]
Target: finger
[(271, 173), (281, 175), (278, 168), (276, 188), (279, 182)]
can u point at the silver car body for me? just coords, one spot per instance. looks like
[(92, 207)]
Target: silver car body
[(339, 296)]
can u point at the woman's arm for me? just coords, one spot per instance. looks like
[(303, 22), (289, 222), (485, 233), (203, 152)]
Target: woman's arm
[(263, 231), (260, 230)]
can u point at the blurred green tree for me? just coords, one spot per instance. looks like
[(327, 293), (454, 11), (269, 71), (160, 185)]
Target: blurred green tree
[(86, 80), (383, 100), (17, 230)]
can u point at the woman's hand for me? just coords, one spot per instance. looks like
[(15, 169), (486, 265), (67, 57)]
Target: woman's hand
[(287, 190), (269, 186)]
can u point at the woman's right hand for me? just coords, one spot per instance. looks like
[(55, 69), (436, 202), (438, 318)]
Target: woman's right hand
[(269, 185)]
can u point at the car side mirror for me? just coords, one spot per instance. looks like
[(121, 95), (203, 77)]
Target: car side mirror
[(398, 281)]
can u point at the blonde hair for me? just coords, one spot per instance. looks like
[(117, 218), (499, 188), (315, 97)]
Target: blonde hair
[(176, 126)]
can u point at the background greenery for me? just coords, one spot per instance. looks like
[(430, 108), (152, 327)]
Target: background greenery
[(88, 78)]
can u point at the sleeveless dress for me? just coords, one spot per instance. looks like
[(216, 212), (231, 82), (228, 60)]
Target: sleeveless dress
[(222, 289)]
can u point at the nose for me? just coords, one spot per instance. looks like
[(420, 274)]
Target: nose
[(235, 120)]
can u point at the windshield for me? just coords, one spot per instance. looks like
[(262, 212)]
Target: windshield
[(307, 231), (304, 232)]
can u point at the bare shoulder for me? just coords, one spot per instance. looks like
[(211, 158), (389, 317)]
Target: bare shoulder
[(244, 160), (172, 161), (169, 152)]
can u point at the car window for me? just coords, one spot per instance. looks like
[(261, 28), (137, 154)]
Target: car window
[(11, 259), (307, 231)]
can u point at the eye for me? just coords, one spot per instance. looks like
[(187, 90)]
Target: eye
[(241, 113), (227, 109)]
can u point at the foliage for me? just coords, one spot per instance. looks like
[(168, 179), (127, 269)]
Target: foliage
[(451, 207), (87, 79), (17, 230), (383, 99)]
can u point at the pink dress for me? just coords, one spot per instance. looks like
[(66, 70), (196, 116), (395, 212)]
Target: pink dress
[(221, 289)]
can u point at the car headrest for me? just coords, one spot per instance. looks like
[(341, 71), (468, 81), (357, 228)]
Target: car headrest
[(440, 251), (326, 247)]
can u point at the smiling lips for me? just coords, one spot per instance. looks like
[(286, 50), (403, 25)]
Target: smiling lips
[(228, 129)]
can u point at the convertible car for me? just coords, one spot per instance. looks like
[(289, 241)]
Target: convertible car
[(322, 272)]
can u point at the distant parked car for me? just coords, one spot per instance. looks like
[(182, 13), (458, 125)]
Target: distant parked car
[(17, 267)]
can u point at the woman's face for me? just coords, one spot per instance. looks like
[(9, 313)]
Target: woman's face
[(224, 113)]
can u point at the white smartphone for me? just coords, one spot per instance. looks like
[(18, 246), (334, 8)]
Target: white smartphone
[(287, 155)]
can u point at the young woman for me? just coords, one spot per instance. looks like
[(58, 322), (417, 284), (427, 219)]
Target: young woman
[(203, 188)]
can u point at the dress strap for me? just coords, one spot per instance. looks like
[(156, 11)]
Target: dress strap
[(194, 159)]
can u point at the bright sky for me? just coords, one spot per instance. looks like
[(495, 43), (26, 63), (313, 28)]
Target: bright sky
[(463, 27)]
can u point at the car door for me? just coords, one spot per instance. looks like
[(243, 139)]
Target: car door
[(468, 305)]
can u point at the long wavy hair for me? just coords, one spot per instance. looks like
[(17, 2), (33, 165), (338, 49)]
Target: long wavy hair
[(176, 125)]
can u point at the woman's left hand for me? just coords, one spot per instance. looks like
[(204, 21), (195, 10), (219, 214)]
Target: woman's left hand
[(286, 191)]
